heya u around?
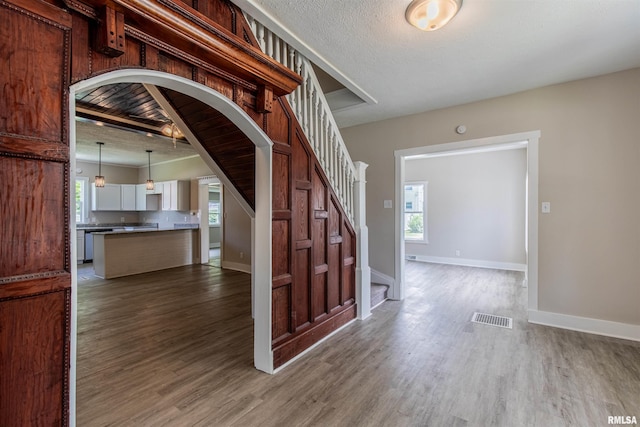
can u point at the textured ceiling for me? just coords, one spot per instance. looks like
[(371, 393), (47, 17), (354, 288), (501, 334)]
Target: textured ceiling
[(123, 147), (491, 48)]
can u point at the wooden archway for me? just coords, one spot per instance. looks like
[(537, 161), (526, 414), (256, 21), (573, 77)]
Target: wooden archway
[(48, 46)]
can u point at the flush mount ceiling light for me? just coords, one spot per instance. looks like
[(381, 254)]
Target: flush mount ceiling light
[(430, 15), (99, 178)]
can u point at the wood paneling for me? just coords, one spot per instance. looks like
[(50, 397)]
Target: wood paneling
[(45, 48), (32, 242), (323, 278), (227, 145), (34, 214), (33, 353), (31, 101)]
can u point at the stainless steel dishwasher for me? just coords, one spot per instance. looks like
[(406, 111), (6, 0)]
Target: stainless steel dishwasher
[(88, 246), (88, 243)]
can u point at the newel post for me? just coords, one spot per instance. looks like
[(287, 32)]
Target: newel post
[(363, 272)]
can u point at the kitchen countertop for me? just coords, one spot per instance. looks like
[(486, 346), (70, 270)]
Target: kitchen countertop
[(142, 230)]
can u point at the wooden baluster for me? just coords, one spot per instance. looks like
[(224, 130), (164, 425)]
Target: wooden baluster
[(292, 58), (321, 137), (277, 43), (350, 199), (260, 37), (336, 172), (316, 118), (305, 100)]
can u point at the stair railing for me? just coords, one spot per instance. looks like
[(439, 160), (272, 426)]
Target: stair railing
[(314, 115)]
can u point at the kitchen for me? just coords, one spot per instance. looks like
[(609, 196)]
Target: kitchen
[(124, 228)]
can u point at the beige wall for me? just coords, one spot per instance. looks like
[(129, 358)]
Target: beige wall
[(112, 174), (589, 245), (475, 205), (236, 231), (181, 169)]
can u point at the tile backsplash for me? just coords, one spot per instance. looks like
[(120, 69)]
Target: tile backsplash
[(164, 219)]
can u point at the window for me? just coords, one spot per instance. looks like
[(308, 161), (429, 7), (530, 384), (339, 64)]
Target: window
[(415, 220), (214, 212), (82, 200)]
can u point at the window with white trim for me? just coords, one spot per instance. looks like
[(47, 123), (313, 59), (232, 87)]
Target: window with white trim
[(415, 212), (82, 200)]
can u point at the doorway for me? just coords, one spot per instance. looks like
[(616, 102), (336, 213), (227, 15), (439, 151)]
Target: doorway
[(216, 227), (260, 217), (527, 140)]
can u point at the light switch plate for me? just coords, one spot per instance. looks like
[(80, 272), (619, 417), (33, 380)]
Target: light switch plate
[(546, 207), (387, 204)]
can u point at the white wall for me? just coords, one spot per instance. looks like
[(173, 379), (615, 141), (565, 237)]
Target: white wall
[(236, 239), (475, 205), (589, 245)]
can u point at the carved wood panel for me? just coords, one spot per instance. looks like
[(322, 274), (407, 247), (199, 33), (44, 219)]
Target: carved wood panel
[(34, 214), (322, 293), (46, 48)]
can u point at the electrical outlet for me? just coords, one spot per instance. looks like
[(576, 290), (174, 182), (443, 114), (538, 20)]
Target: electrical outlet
[(457, 252), (241, 255), (121, 219)]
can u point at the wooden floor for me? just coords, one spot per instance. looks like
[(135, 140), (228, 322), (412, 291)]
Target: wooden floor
[(175, 349)]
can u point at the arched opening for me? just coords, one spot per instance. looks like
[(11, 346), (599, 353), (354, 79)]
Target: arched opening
[(260, 212)]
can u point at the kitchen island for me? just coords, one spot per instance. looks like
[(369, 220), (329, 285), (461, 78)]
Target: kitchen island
[(127, 252)]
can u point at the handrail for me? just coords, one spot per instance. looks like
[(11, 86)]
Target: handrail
[(312, 111)]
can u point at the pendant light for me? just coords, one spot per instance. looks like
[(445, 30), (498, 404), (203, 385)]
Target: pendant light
[(99, 178), (172, 131), (149, 181)]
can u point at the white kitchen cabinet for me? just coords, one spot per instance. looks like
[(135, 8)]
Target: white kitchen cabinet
[(167, 195), (175, 195), (107, 198), (128, 197), (80, 245), (146, 201)]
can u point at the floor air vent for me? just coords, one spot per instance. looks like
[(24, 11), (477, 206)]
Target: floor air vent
[(493, 320)]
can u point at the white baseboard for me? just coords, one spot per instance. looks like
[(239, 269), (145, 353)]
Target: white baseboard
[(381, 278), (469, 262), (607, 328), (236, 266)]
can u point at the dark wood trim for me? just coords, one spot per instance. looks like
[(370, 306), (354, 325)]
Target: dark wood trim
[(195, 34), (33, 148), (33, 284), (41, 11)]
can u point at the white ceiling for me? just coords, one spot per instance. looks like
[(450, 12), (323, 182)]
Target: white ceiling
[(491, 48), (124, 147)]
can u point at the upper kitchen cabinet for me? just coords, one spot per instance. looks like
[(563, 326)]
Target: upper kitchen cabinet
[(107, 198), (175, 195), (146, 201), (128, 197)]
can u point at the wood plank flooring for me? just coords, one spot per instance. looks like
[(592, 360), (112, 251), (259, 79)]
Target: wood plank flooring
[(174, 348)]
